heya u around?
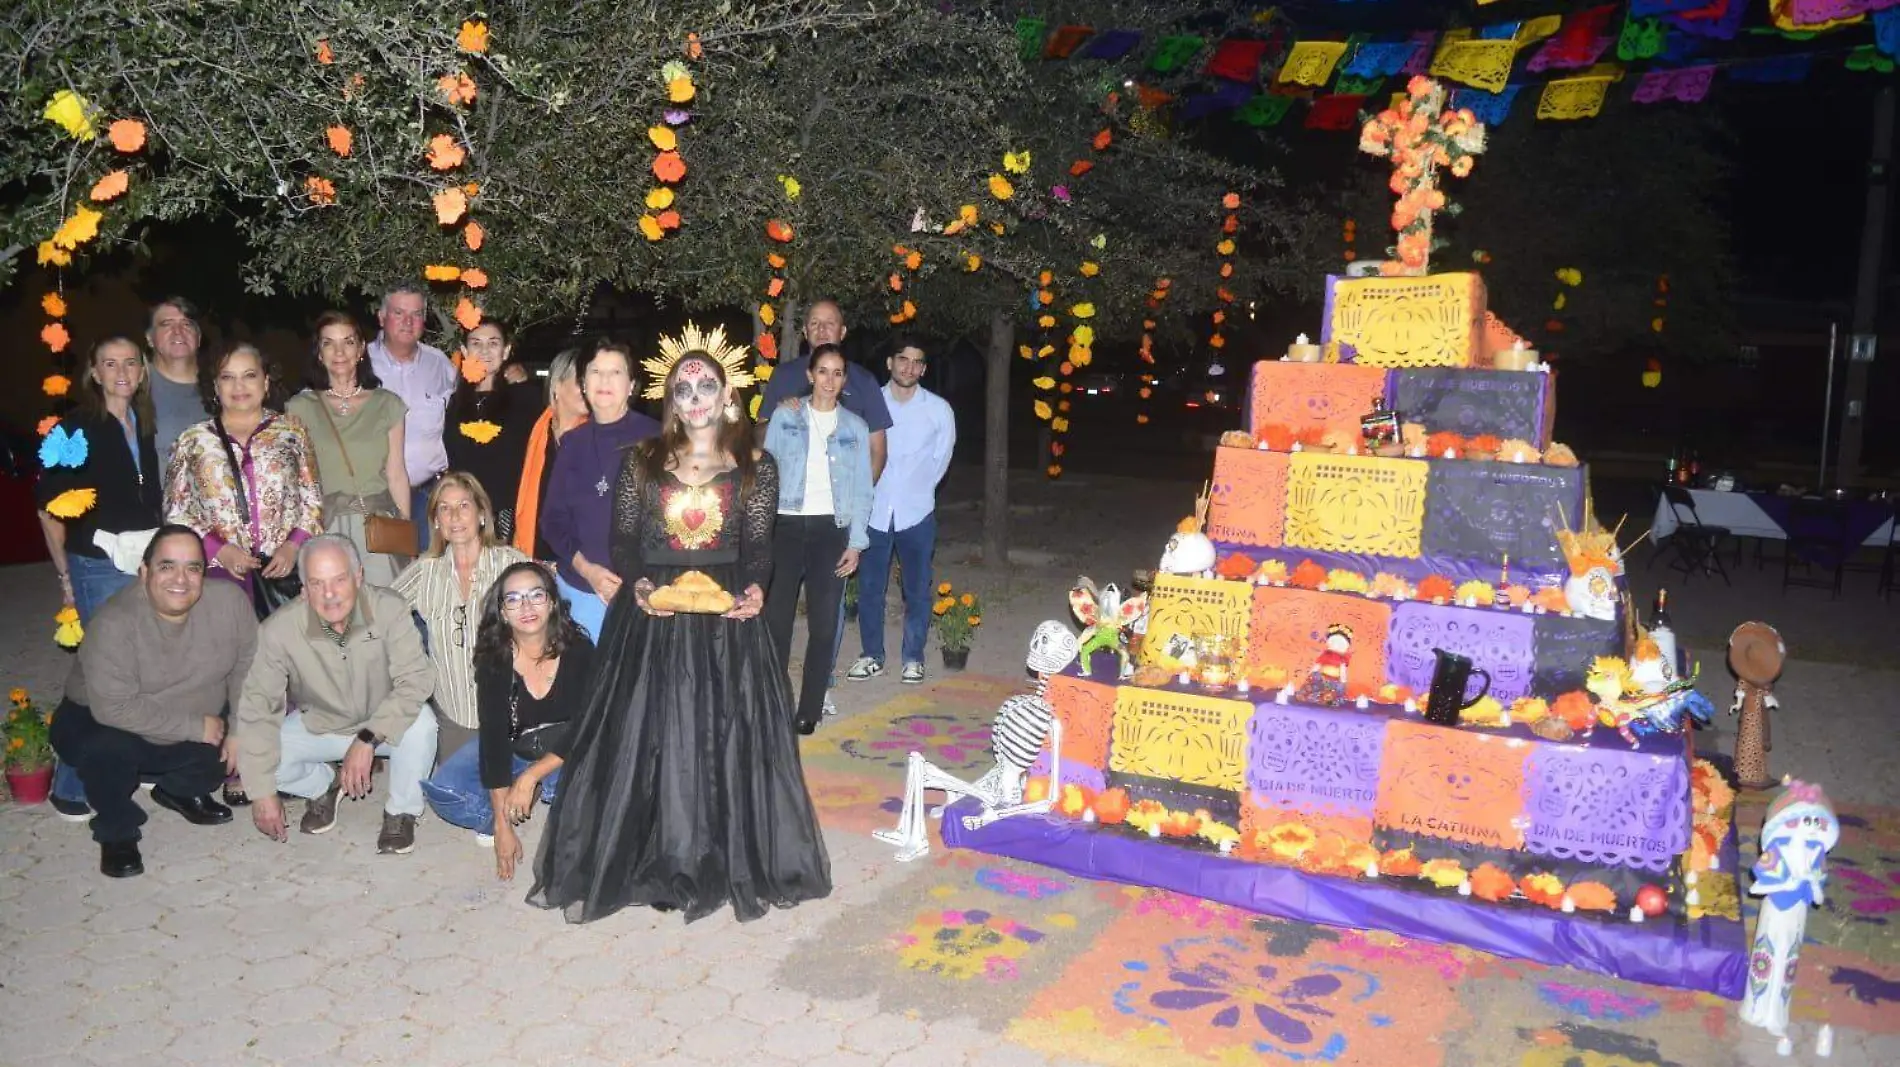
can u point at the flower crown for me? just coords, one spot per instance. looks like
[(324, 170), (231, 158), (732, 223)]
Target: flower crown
[(730, 357)]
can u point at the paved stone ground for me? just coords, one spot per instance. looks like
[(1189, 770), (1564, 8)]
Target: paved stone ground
[(236, 950)]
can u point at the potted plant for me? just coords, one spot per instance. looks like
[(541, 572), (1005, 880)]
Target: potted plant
[(958, 616), (29, 750)]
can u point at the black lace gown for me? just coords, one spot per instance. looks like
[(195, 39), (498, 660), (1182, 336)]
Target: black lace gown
[(682, 787)]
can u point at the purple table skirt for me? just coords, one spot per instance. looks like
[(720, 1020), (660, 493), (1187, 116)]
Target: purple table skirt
[(1710, 954)]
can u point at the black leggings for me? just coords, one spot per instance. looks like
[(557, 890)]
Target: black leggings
[(805, 551)]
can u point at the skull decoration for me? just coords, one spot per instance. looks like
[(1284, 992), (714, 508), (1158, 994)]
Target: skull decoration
[(1052, 647), (1188, 553), (1592, 594)]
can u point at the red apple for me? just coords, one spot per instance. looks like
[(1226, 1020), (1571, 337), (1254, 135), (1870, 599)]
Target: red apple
[(1652, 900)]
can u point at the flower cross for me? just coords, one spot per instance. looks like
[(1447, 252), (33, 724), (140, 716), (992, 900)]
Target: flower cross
[(1419, 135)]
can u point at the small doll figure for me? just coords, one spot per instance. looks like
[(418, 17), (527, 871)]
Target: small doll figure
[(1326, 683), (1755, 654), (1795, 839)]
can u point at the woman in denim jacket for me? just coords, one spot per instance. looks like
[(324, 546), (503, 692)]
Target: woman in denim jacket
[(824, 500)]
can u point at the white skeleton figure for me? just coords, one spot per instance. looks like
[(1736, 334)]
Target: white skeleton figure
[(1023, 723)]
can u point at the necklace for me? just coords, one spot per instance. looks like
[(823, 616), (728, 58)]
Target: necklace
[(601, 486), (343, 402)]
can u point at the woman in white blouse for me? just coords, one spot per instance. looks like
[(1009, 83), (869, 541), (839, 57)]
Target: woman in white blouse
[(446, 588)]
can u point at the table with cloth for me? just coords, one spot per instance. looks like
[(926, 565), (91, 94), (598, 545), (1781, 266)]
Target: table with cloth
[(1769, 515)]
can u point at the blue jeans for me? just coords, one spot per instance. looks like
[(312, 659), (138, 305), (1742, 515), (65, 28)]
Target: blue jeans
[(913, 548), (586, 609), (456, 795), (94, 581), (419, 513)]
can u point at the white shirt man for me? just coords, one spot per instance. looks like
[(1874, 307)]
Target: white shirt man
[(425, 380), (919, 444)]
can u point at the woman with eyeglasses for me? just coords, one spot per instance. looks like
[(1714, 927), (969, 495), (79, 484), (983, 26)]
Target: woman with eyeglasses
[(447, 587), (533, 664)]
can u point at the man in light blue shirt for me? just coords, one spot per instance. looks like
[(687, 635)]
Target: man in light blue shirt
[(922, 436), (425, 380)]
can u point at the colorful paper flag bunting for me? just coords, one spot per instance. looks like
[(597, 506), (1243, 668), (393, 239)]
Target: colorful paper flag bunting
[(1112, 44), (1238, 60), (1311, 62), (1480, 63), (1573, 98), (1490, 108), (1687, 85), (1173, 52)]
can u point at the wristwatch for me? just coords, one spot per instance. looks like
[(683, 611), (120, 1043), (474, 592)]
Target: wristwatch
[(368, 737)]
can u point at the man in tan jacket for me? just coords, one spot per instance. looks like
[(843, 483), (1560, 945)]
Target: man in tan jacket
[(351, 660)]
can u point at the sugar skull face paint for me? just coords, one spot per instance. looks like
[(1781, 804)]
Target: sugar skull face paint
[(698, 393)]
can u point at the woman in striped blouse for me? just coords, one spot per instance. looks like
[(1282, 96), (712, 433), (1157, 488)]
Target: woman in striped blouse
[(446, 587)]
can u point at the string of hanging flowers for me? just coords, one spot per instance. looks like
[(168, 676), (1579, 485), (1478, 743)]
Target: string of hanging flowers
[(662, 216), (79, 119), (1156, 297), (908, 262), (1230, 225)]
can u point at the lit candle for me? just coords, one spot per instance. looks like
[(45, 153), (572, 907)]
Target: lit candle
[(1302, 351)]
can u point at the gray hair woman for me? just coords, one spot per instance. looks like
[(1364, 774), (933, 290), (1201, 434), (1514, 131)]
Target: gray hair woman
[(567, 408)]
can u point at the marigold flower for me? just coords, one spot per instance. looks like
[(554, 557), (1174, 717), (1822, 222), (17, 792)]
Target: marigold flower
[(56, 385), (51, 255), (467, 313), (110, 187), (72, 113), (325, 57), (943, 588), (473, 37), (81, 226), (437, 272), (1000, 187), (775, 261), (480, 432), (55, 336), (1080, 167), (775, 287), (914, 260), (659, 198), (72, 503), (444, 153), (473, 371), (340, 138), (475, 278), (457, 88), (1103, 139), (473, 235), (127, 135), (669, 220), (680, 90), (450, 205), (768, 314), (779, 230), (53, 304)]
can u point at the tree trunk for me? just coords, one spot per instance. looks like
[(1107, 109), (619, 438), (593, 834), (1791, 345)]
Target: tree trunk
[(996, 440)]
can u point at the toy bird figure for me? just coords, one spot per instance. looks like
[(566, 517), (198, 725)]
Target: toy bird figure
[(1107, 618)]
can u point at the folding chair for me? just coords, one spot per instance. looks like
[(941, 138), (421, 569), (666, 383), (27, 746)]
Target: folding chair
[(1817, 543), (1695, 544)]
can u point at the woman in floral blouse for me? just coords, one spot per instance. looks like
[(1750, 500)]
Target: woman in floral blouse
[(261, 523)]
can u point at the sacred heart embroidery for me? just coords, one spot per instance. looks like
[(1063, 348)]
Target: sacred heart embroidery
[(694, 516)]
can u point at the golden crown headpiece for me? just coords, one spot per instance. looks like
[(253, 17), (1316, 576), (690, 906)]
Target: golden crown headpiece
[(729, 356)]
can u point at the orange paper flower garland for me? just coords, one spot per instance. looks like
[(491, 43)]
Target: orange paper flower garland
[(1155, 298), (452, 204), (1230, 225), (908, 261), (662, 217), (1349, 230)]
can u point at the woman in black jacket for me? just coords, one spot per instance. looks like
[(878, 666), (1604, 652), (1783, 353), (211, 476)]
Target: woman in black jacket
[(532, 667)]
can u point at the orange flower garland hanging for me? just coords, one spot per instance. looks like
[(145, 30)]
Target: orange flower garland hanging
[(669, 167), (453, 206), (1225, 247), (908, 262), (1156, 297)]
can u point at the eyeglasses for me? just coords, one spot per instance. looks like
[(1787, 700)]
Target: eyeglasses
[(534, 598), (461, 626)]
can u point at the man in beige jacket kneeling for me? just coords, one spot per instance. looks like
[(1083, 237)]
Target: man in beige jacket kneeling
[(350, 658)]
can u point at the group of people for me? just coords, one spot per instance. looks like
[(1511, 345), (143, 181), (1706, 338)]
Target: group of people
[(522, 658)]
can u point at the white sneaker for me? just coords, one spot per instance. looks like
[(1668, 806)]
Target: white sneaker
[(864, 669), (913, 674), (831, 706), (485, 840)]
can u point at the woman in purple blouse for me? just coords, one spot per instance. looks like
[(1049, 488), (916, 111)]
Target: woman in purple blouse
[(579, 506)]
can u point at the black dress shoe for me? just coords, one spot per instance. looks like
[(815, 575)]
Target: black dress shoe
[(198, 811), (807, 727), (120, 859)]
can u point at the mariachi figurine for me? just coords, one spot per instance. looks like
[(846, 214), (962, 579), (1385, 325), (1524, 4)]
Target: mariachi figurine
[(1326, 683), (1755, 654), (1795, 839)]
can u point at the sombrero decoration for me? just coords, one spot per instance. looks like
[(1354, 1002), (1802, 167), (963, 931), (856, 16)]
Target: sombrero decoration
[(729, 356), (1755, 653)]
